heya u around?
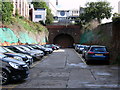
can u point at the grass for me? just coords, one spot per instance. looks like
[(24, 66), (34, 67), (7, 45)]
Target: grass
[(30, 26)]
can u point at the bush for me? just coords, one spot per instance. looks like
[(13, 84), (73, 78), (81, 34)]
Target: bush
[(6, 12)]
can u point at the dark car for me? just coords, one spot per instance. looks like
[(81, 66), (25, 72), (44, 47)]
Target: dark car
[(30, 49), (97, 53), (21, 57), (17, 49), (11, 69), (45, 50)]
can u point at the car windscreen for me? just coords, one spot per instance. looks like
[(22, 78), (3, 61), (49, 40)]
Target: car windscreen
[(25, 48), (87, 48), (98, 49), (21, 49), (81, 46), (2, 50), (31, 48), (8, 50), (2, 55)]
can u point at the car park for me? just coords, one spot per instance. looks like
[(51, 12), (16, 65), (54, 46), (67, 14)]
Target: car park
[(18, 49), (21, 57), (12, 69), (97, 53)]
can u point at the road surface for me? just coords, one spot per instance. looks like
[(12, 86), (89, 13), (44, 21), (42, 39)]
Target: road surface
[(65, 68)]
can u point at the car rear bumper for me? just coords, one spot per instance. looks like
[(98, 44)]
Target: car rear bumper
[(98, 58)]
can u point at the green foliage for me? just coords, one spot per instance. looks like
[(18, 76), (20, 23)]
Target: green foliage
[(6, 11), (96, 10), (42, 4), (29, 25), (16, 13)]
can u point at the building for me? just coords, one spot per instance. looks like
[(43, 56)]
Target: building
[(22, 6), (75, 12), (52, 5), (67, 16), (37, 14)]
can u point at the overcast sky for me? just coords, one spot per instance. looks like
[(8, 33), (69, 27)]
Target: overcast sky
[(75, 4)]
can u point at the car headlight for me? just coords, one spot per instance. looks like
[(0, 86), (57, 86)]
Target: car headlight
[(18, 58), (14, 65)]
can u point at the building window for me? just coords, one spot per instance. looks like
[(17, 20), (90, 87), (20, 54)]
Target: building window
[(38, 16)]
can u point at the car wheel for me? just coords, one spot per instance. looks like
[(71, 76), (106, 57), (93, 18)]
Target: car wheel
[(5, 77)]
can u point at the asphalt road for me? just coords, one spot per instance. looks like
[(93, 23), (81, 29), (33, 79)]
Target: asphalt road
[(65, 68)]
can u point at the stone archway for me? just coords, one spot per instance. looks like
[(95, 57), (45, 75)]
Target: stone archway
[(64, 40)]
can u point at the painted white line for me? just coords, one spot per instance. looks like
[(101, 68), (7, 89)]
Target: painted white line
[(80, 57), (38, 61)]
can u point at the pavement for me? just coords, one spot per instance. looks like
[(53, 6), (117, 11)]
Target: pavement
[(65, 68)]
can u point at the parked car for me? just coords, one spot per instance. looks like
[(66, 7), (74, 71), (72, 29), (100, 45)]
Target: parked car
[(54, 47), (17, 49), (45, 50), (11, 69), (21, 57), (57, 47), (81, 48), (28, 48), (97, 53), (86, 48), (77, 47)]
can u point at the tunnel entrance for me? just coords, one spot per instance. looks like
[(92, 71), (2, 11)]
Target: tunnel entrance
[(64, 40)]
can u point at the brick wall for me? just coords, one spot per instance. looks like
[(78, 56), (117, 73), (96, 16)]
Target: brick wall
[(73, 30)]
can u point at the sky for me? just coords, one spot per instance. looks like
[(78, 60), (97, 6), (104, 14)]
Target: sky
[(75, 4)]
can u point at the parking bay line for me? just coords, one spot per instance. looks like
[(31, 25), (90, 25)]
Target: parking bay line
[(80, 57), (38, 62), (9, 88)]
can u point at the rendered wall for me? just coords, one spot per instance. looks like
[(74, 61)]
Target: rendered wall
[(17, 37)]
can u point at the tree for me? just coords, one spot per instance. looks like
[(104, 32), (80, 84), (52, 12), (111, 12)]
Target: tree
[(96, 10), (6, 11), (42, 4)]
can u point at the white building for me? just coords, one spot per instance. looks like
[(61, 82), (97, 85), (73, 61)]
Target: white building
[(52, 5), (75, 12), (22, 6), (38, 14)]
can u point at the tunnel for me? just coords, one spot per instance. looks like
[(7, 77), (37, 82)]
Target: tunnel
[(64, 40)]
